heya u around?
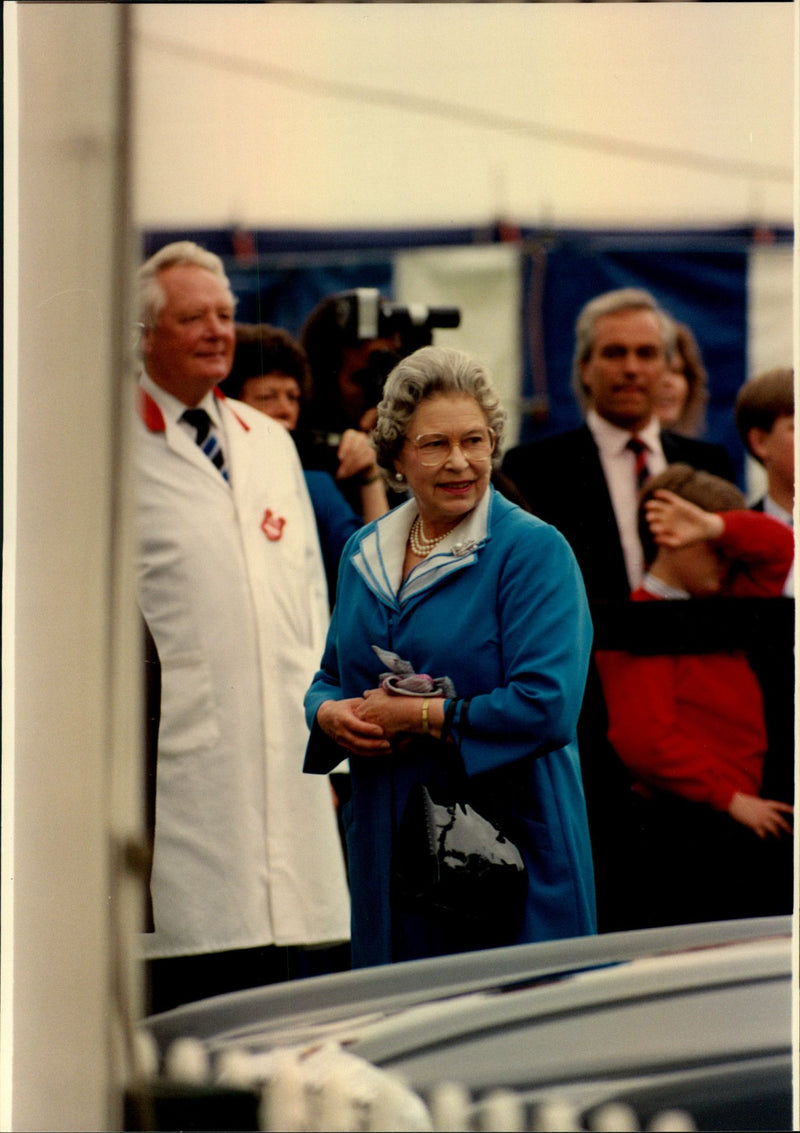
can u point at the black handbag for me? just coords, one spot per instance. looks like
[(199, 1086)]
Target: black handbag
[(448, 860)]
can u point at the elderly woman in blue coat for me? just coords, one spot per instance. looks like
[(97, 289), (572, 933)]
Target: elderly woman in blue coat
[(458, 583)]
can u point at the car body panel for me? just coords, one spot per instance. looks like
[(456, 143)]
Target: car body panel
[(694, 1016)]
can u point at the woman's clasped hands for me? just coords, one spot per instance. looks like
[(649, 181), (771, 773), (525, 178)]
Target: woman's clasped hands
[(366, 725)]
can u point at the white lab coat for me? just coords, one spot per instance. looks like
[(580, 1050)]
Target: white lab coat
[(246, 847)]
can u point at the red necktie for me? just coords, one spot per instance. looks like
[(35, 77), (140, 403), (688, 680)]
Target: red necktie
[(639, 450)]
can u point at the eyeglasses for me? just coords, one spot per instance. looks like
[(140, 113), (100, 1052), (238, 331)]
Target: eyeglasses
[(433, 449)]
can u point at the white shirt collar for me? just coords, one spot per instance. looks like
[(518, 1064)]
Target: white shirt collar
[(660, 589), (618, 465), (612, 439), (777, 512), (382, 548)]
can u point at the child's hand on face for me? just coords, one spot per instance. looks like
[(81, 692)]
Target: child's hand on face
[(675, 522)]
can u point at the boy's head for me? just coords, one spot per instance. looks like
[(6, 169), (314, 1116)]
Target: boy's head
[(697, 564), (765, 420)]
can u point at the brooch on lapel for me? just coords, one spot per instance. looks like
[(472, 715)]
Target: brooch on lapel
[(272, 526)]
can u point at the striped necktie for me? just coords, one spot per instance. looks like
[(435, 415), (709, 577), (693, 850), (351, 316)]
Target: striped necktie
[(639, 450), (206, 438)]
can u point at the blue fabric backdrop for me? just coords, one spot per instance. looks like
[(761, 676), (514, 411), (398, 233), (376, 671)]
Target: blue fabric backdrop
[(707, 289), (701, 277), (284, 296)]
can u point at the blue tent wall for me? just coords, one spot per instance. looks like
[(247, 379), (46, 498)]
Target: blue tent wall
[(279, 275), (699, 276), (705, 288), (284, 296)]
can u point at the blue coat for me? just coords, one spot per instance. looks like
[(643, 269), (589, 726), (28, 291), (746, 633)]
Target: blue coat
[(500, 608), (336, 522)]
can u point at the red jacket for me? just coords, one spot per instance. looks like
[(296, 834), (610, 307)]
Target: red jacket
[(693, 724)]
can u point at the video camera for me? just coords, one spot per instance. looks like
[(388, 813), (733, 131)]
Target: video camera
[(362, 316), (352, 319)]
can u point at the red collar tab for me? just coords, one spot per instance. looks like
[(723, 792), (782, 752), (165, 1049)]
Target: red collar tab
[(220, 396), (153, 418), (150, 413)]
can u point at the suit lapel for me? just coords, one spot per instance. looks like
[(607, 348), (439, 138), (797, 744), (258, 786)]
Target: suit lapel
[(601, 556), (591, 472), (235, 432), (672, 447), (181, 443)]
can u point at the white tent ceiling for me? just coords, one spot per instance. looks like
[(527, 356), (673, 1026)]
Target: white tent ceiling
[(353, 115)]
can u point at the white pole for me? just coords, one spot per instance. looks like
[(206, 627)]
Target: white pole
[(70, 674)]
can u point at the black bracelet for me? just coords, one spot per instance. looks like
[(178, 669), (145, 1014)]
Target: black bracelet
[(449, 715), (463, 722)]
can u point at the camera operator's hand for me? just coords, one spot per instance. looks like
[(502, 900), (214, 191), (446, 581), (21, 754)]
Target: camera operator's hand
[(368, 420), (357, 460), (356, 456)]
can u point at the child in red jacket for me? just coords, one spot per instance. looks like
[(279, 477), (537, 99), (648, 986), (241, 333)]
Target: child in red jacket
[(690, 726)]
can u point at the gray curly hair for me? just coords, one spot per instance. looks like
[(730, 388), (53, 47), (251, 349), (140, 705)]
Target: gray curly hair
[(427, 372)]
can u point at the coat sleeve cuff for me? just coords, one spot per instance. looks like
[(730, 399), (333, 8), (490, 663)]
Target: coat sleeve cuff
[(322, 753)]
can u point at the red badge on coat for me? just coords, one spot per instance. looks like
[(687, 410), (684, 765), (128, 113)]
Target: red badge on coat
[(272, 526)]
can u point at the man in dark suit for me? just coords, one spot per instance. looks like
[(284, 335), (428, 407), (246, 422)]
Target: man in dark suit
[(586, 481)]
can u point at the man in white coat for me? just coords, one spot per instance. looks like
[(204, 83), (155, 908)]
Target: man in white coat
[(248, 879)]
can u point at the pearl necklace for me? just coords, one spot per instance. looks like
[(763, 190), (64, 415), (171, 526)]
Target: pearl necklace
[(417, 541)]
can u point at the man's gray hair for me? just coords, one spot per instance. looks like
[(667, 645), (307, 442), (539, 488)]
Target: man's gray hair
[(427, 372), (611, 303), (151, 295)]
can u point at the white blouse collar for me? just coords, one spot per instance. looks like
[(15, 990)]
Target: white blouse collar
[(381, 552)]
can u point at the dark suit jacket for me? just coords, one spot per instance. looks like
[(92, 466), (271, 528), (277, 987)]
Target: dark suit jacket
[(562, 480)]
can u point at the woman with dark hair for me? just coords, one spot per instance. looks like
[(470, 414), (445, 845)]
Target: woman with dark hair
[(270, 373)]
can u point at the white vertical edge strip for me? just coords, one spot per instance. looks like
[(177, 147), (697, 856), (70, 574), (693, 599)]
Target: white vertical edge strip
[(10, 346)]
